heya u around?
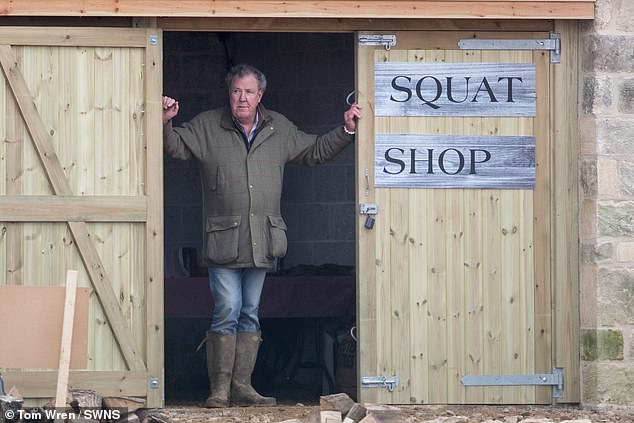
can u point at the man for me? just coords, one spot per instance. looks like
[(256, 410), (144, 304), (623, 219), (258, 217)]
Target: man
[(241, 151)]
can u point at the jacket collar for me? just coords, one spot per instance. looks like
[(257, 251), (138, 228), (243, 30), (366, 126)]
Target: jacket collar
[(226, 121)]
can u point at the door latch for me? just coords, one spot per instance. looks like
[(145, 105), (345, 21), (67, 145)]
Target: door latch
[(370, 210)]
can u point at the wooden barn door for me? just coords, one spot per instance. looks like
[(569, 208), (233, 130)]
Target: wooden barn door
[(454, 282), (81, 188)]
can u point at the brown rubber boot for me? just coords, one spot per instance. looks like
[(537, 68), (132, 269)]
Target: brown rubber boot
[(242, 393), (221, 350)]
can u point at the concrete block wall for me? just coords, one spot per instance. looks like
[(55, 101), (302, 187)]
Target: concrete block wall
[(606, 117), (309, 77)]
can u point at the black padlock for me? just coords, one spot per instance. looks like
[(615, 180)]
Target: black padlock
[(369, 222)]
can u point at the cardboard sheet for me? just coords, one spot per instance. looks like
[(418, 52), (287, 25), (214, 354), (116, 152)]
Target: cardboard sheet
[(31, 327)]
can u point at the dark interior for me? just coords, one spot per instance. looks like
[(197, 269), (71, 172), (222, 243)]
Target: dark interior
[(308, 303)]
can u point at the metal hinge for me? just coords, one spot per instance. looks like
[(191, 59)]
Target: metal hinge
[(388, 382), (554, 379), (553, 44), (388, 41)]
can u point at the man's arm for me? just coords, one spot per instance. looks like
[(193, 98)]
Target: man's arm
[(310, 149), (181, 143)]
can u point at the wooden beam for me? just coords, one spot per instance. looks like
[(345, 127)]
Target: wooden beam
[(14, 161), (67, 338), (41, 384), (154, 238), (71, 37), (348, 24), (44, 146), (490, 9), (40, 208), (565, 198)]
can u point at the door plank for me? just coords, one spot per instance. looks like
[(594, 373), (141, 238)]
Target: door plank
[(154, 240), (54, 171), (367, 359), (14, 168)]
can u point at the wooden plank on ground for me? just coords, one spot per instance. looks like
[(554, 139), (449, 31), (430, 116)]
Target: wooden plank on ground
[(67, 337)]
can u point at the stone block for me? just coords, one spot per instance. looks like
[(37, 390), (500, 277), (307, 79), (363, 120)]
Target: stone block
[(588, 177), (626, 179), (596, 253), (588, 295), (615, 296), (616, 218), (588, 220), (625, 252), (588, 136), (626, 95), (614, 136), (607, 178), (597, 95), (624, 19), (601, 344), (608, 382), (607, 53), (589, 345), (602, 16)]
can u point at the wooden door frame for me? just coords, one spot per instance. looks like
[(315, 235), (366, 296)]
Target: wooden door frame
[(563, 226), (149, 209)]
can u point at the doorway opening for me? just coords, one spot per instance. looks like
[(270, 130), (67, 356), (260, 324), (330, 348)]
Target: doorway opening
[(308, 303)]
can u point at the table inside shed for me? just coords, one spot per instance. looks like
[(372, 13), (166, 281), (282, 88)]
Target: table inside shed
[(300, 317)]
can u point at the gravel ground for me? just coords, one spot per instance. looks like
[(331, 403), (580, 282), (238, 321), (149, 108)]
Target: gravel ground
[(409, 414)]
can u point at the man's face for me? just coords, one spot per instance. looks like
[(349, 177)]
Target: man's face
[(244, 97)]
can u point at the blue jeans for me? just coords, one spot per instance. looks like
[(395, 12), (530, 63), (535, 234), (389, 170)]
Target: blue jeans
[(236, 295)]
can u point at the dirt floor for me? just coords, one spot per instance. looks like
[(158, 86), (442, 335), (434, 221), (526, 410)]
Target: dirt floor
[(409, 414)]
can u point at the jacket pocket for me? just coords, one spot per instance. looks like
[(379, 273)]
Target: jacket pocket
[(223, 238), (277, 237)]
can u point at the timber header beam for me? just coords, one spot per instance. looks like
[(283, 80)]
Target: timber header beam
[(451, 9)]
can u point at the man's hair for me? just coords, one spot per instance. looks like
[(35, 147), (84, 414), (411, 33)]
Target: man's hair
[(243, 70)]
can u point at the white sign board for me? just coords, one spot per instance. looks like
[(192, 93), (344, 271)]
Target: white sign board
[(454, 89), (454, 161)]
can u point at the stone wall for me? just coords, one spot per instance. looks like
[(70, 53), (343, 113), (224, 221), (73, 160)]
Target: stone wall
[(607, 204), (309, 77)]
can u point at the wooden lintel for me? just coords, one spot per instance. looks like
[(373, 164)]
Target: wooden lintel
[(349, 24), (44, 147), (41, 384), (460, 9), (69, 37), (40, 208)]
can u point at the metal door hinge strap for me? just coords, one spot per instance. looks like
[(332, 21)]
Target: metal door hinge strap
[(388, 382), (554, 379), (553, 44), (388, 41)]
